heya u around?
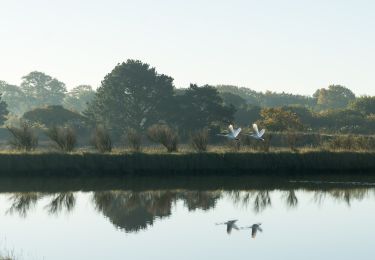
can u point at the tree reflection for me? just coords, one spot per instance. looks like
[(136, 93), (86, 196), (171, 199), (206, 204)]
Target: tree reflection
[(21, 203), (61, 201), (133, 211)]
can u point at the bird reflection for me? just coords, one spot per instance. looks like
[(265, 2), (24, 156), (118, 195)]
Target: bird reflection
[(231, 224), (254, 229)]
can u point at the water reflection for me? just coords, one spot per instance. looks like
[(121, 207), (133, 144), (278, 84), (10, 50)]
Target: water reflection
[(231, 224), (132, 211), (254, 229)]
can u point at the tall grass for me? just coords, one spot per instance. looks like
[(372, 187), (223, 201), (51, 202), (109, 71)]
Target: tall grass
[(65, 138), (352, 143), (291, 139), (164, 135), (101, 140), (199, 140), (23, 137)]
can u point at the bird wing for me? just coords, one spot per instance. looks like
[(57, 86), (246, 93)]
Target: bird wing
[(260, 229), (255, 127), (236, 132), (261, 133), (230, 127)]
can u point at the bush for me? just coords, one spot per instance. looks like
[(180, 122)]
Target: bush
[(234, 145), (134, 139), (164, 135), (101, 140), (64, 137), (24, 138), (199, 140)]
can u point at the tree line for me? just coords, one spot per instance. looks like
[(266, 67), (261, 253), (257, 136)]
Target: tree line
[(135, 96)]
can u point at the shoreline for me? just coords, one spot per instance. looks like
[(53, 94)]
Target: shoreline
[(189, 164)]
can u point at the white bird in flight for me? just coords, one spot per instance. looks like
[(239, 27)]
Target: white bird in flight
[(258, 135), (233, 133)]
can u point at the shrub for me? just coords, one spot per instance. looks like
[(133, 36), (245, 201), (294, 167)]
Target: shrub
[(164, 135), (134, 139), (234, 145), (101, 140), (64, 137), (199, 140), (23, 138)]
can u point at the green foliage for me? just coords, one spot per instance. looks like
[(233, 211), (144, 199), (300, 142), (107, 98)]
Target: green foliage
[(53, 115), (247, 114), (279, 119), (132, 95), (199, 107), (64, 137), (41, 89), (343, 120), (364, 104), (199, 140), (101, 140), (232, 99), (23, 137), (14, 97), (78, 98), (335, 97), (3, 110), (164, 135)]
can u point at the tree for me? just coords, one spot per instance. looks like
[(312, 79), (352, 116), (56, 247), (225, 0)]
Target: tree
[(3, 111), (14, 97), (53, 116), (133, 95), (41, 89), (365, 105), (247, 114), (78, 98), (232, 99), (199, 107), (279, 119), (335, 97)]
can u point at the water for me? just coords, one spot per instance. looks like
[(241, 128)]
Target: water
[(176, 218)]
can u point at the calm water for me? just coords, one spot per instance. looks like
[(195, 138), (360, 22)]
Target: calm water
[(178, 218)]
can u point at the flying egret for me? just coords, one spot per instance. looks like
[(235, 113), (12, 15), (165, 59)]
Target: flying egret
[(254, 229), (258, 135), (231, 224), (233, 133)]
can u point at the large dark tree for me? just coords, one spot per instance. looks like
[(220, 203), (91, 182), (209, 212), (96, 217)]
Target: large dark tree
[(199, 107), (132, 95), (3, 111), (41, 89)]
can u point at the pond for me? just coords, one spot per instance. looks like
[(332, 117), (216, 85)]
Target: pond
[(188, 218)]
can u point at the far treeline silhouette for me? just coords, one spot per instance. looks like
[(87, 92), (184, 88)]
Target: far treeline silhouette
[(134, 96)]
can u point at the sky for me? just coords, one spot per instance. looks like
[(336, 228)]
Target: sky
[(291, 45)]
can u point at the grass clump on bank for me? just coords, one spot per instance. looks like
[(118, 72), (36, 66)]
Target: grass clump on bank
[(199, 140), (23, 137), (164, 135), (101, 140), (64, 138)]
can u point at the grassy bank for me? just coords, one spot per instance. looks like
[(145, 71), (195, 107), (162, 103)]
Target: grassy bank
[(90, 164)]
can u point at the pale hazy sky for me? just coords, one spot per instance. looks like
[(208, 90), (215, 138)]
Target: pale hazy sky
[(291, 45)]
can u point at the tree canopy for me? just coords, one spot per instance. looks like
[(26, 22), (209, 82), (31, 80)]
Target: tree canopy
[(41, 89), (78, 98), (132, 95)]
